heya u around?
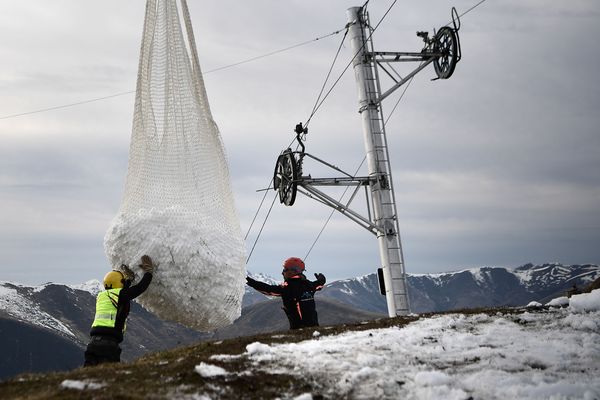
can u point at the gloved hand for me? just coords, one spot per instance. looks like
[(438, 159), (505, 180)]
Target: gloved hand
[(249, 281), (127, 272), (320, 278), (147, 265)]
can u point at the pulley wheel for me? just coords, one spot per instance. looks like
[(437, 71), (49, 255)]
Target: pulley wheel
[(285, 176), (446, 43)]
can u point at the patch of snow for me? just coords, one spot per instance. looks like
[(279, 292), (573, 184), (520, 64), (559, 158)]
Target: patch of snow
[(92, 286), (37, 289), (81, 385), (209, 370), (432, 378), (536, 355), (304, 396), (181, 393), (533, 304), (316, 334), (479, 275), (268, 279), (587, 277), (258, 348), (585, 302), (346, 290), (225, 357), (524, 276), (558, 302), (363, 279)]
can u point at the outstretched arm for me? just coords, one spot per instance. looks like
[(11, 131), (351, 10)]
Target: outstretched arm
[(264, 288), (139, 288), (134, 291)]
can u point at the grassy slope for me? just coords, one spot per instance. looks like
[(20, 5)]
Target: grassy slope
[(170, 374)]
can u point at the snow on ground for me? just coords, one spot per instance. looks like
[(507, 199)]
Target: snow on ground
[(81, 385), (208, 370), (547, 354), (23, 309)]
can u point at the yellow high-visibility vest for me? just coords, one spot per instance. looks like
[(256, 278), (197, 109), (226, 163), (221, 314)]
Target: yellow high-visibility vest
[(106, 308)]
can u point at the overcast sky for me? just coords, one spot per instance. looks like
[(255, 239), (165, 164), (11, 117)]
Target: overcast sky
[(499, 165)]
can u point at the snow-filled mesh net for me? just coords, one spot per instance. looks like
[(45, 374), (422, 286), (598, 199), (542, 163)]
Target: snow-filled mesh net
[(178, 205)]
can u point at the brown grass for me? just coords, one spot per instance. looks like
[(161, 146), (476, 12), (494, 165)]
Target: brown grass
[(170, 374)]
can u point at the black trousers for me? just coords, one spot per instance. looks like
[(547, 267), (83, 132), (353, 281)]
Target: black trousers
[(102, 349)]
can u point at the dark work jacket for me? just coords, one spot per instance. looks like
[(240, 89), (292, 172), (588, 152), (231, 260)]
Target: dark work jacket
[(126, 294), (297, 294)]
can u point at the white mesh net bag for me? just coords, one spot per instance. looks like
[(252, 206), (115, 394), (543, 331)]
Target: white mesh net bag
[(178, 205)]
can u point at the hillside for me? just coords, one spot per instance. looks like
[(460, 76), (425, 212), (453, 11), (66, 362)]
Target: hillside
[(525, 353), (56, 316)]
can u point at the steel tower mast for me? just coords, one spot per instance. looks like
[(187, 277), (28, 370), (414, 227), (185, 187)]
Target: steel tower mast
[(443, 50)]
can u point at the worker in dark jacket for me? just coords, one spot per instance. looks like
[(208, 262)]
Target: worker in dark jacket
[(296, 291), (112, 309)]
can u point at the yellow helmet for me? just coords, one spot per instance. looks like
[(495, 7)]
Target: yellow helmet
[(114, 280)]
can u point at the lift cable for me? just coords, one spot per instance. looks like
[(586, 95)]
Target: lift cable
[(204, 73), (266, 217), (67, 105), (314, 110), (275, 52), (262, 226), (319, 104), (465, 13)]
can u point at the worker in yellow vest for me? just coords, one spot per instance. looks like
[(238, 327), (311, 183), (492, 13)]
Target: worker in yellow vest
[(112, 309)]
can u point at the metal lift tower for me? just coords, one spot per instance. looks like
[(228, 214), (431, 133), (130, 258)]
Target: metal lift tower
[(443, 50)]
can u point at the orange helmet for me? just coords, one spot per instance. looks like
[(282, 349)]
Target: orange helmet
[(292, 267), (294, 262)]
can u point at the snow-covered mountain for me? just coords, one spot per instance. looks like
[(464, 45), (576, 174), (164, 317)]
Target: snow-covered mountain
[(469, 288), (35, 318)]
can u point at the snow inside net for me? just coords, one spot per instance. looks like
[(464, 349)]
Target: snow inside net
[(178, 205)]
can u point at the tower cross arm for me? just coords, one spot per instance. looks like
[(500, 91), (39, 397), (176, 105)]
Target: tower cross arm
[(408, 77), (399, 56)]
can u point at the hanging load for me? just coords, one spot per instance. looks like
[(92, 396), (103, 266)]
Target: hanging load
[(178, 204)]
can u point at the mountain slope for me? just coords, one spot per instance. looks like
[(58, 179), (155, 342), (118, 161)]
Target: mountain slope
[(59, 316), (476, 287), (540, 352), (38, 323), (22, 344)]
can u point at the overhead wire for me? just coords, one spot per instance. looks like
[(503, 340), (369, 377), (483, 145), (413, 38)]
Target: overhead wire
[(67, 105), (328, 75), (261, 227), (266, 216), (205, 72), (274, 52), (468, 11)]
